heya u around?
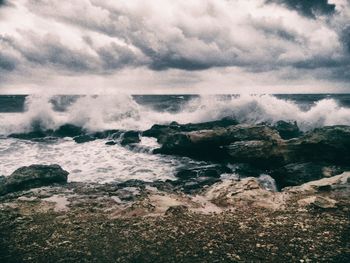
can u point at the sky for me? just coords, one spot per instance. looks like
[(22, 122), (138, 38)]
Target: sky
[(167, 46)]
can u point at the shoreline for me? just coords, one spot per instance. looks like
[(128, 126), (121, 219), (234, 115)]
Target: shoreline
[(81, 222)]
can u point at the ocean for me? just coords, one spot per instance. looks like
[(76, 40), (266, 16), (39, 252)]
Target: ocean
[(97, 162)]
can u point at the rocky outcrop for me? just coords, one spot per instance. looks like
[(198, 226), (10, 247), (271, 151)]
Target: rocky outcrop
[(203, 171), (68, 130), (318, 153), (33, 176), (298, 173), (84, 138), (209, 144), (328, 144), (249, 143), (130, 137), (261, 153), (163, 131), (287, 130), (243, 193)]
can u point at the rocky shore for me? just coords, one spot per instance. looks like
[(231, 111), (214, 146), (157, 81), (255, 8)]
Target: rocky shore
[(228, 211)]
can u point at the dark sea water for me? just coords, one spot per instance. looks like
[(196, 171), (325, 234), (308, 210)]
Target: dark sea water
[(96, 162), (15, 103)]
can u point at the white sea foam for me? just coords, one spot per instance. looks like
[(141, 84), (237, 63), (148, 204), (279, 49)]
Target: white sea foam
[(103, 112), (92, 161)]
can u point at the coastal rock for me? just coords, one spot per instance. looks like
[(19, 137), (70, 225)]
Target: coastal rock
[(318, 153), (339, 182), (195, 185), (162, 131), (298, 173), (33, 176), (287, 130), (208, 144), (111, 143), (243, 193), (204, 171), (112, 134), (130, 137), (84, 138), (68, 130), (31, 135), (260, 153), (247, 170), (328, 144)]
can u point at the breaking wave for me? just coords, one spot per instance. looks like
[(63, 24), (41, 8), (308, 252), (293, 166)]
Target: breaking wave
[(96, 113)]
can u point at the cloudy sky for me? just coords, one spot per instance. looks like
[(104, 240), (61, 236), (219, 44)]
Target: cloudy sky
[(182, 46)]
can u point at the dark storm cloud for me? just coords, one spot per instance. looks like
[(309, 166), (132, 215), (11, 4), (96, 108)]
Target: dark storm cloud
[(48, 51), (115, 57), (104, 37), (309, 8), (7, 63), (345, 38)]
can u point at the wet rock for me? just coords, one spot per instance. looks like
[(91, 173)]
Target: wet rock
[(328, 144), (287, 130), (33, 176), (112, 134), (161, 131), (298, 173), (263, 154), (208, 144), (111, 143), (130, 137), (31, 135), (195, 185), (84, 138), (205, 171), (68, 130), (247, 170)]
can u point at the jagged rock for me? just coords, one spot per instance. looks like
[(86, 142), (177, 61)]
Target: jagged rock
[(33, 176), (111, 143), (205, 171), (287, 130), (298, 173), (328, 144), (112, 134), (161, 131), (245, 192), (68, 130), (247, 170), (130, 137), (333, 183), (31, 135), (260, 153), (208, 144), (84, 138)]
